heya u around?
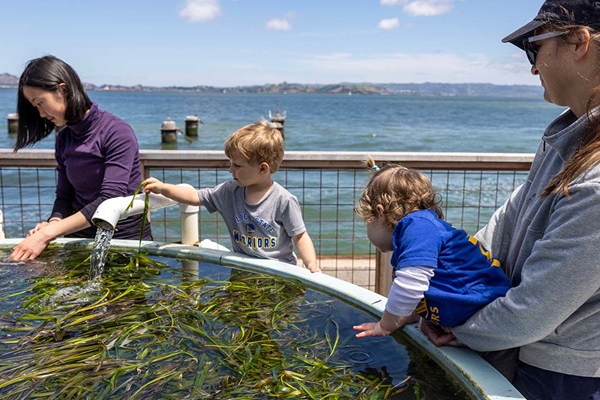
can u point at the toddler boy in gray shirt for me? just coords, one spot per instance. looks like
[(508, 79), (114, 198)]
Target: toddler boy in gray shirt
[(263, 218)]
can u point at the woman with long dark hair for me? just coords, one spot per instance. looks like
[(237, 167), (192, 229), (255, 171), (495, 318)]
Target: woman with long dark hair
[(97, 154)]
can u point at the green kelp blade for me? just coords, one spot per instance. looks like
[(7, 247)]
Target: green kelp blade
[(164, 377), (98, 303), (144, 214), (144, 218), (332, 344), (137, 191)]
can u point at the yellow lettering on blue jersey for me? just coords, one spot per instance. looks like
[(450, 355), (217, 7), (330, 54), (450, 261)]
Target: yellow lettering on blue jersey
[(486, 253), (422, 308)]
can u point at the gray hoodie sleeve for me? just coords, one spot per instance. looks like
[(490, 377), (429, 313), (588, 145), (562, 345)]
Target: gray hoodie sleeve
[(559, 282), (497, 234)]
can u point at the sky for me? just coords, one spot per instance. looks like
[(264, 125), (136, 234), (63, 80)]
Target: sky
[(227, 43)]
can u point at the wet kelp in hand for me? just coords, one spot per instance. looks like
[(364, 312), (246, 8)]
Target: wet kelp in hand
[(132, 335)]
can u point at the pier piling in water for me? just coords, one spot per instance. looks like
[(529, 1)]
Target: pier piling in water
[(168, 131), (191, 125), (278, 120), (13, 123)]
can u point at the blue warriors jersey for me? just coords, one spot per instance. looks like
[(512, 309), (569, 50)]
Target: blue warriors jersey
[(465, 279)]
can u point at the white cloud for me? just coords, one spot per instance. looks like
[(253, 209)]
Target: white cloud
[(200, 10), (279, 25), (388, 24), (428, 8), (425, 8), (392, 2)]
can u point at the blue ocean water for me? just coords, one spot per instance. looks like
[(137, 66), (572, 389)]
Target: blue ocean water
[(330, 122)]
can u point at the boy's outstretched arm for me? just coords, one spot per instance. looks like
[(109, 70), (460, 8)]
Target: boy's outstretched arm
[(306, 251), (181, 194)]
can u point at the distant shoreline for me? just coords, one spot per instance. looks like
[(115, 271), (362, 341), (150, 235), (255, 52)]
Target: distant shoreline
[(8, 81)]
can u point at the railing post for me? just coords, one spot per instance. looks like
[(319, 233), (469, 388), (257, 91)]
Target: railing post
[(383, 273), (189, 224), (2, 237)]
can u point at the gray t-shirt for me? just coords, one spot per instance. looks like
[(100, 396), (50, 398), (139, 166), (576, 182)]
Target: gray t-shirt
[(264, 230)]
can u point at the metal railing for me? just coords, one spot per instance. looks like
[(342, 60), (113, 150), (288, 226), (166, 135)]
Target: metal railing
[(327, 184)]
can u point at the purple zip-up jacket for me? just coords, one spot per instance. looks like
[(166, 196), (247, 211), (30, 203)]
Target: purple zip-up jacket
[(98, 158)]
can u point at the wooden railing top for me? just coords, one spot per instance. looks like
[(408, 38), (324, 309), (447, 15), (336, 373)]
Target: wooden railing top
[(186, 159)]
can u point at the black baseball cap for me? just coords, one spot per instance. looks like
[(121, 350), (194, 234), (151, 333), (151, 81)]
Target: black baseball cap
[(575, 12)]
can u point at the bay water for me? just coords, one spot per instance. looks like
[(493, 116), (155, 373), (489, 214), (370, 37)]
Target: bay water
[(330, 122)]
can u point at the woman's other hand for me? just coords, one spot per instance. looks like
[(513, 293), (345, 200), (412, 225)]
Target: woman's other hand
[(438, 335)]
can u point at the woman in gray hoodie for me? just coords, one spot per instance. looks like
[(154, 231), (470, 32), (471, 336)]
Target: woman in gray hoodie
[(547, 234)]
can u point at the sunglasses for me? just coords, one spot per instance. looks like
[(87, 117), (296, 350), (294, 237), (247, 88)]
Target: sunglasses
[(531, 50)]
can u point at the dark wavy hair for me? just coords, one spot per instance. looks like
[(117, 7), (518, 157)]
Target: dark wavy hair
[(51, 74)]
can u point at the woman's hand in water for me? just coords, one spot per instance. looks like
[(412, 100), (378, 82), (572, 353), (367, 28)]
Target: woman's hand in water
[(39, 237), (31, 246)]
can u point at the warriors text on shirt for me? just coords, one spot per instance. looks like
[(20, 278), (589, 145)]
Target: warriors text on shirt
[(254, 242)]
